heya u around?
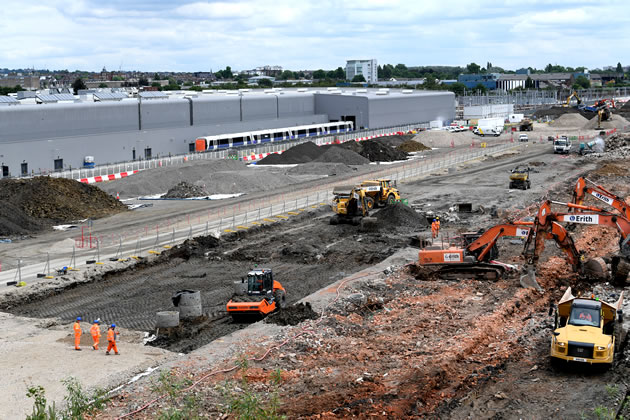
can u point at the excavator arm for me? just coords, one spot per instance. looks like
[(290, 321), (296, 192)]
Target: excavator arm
[(552, 231), (482, 246), (602, 194)]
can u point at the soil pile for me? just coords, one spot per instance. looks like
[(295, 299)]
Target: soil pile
[(31, 205), (320, 169), (615, 121), (400, 216), (301, 153), (186, 190), (569, 120), (293, 315), (396, 140), (412, 146), (376, 151), (338, 154)]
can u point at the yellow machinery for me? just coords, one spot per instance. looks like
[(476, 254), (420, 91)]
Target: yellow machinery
[(571, 96), (350, 206), (587, 330), (380, 192), (526, 125), (519, 178)]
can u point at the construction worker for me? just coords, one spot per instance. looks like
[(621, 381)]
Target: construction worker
[(95, 330), (77, 334), (437, 221), (111, 340), (434, 229)]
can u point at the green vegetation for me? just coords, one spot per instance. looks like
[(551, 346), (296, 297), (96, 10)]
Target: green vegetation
[(78, 403), (7, 90), (358, 78), (78, 85), (245, 403), (180, 407)]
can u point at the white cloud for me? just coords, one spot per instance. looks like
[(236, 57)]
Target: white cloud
[(184, 35)]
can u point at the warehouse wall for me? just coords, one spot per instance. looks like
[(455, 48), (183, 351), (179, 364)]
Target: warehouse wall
[(295, 104), (216, 109), (259, 107), (165, 113), (390, 109), (337, 107)]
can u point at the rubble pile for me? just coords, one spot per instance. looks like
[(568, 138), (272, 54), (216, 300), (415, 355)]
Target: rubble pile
[(617, 146), (32, 205), (376, 151), (293, 315), (185, 190)]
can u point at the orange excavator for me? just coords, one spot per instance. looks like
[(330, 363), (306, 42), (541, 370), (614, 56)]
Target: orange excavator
[(547, 225), (601, 193), (473, 256)]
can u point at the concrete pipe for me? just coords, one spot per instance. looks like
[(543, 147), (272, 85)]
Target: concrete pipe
[(190, 304), (167, 319)]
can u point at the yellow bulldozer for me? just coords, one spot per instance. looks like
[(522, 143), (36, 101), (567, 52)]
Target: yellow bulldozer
[(350, 205), (380, 192)]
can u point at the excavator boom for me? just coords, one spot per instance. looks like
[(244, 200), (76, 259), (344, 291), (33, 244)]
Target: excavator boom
[(602, 194)]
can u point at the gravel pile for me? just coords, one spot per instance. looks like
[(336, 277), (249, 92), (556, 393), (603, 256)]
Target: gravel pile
[(379, 152), (615, 121), (220, 176), (617, 146), (32, 205), (400, 216), (320, 169), (186, 190), (569, 120)]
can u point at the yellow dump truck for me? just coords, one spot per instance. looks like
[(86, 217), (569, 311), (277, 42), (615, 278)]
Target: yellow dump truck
[(586, 330), (380, 192), (519, 178), (350, 206)]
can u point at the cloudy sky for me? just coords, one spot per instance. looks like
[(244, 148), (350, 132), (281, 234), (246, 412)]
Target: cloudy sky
[(180, 35)]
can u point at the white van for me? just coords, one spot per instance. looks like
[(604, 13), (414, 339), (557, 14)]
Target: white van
[(562, 145)]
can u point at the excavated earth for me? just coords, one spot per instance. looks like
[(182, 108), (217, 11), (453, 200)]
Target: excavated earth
[(31, 205)]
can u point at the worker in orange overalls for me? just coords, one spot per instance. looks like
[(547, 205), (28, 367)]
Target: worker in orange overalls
[(437, 222), (77, 334), (111, 340), (95, 330), (434, 228)]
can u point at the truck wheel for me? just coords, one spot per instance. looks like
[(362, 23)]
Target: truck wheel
[(280, 298), (391, 199), (369, 202)]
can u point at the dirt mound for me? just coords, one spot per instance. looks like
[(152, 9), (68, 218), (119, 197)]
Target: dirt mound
[(32, 205), (400, 216), (612, 169), (301, 153), (376, 151), (569, 120), (186, 190), (615, 121), (412, 146), (293, 315), (338, 154), (396, 140), (320, 168)]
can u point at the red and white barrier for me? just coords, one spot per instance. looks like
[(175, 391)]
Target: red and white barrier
[(104, 178), (259, 156)]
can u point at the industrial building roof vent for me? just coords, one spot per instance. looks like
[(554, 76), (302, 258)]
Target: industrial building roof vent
[(407, 91), (302, 90)]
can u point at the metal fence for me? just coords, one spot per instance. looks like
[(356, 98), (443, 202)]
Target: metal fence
[(235, 153)]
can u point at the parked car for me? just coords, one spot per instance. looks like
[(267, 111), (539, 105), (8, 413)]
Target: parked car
[(523, 137)]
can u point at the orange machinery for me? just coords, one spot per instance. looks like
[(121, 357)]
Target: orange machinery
[(473, 257), (602, 194), (257, 294)]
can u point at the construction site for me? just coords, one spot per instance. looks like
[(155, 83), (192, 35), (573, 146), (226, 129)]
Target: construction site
[(370, 311)]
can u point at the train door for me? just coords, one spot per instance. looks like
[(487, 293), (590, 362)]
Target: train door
[(147, 153), (5, 171), (24, 168), (58, 164)]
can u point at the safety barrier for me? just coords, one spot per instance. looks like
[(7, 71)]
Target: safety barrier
[(109, 249)]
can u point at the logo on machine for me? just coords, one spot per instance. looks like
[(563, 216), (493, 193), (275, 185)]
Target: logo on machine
[(591, 219), (373, 188), (452, 257), (522, 232), (605, 199)]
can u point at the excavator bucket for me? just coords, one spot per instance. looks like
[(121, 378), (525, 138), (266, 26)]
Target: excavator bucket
[(368, 223), (528, 280)]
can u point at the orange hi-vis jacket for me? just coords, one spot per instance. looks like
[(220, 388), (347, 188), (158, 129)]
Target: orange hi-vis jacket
[(77, 329), (95, 330), (111, 335)]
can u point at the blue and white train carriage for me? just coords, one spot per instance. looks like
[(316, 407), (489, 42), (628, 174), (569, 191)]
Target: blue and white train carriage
[(250, 138)]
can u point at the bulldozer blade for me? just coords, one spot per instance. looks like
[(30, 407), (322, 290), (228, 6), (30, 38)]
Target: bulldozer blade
[(528, 280)]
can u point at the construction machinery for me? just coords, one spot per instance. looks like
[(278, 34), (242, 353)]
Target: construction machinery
[(547, 225), (526, 125), (350, 205), (581, 190), (519, 178), (380, 192), (257, 294), (587, 330), (474, 254), (571, 96)]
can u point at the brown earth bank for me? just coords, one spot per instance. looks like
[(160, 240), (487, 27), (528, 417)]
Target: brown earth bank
[(32, 205)]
